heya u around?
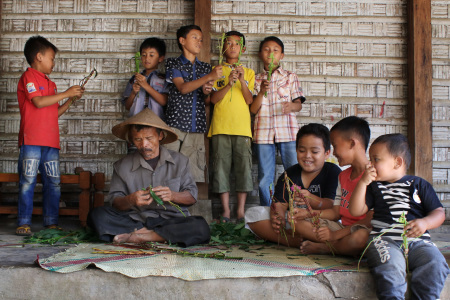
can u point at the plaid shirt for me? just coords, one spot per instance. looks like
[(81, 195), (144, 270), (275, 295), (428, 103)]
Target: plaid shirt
[(271, 125)]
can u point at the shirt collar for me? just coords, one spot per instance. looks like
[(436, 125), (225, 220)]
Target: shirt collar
[(279, 70), (139, 161), (184, 60), (149, 75), (37, 73)]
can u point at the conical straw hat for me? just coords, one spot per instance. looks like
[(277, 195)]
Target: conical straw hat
[(145, 117)]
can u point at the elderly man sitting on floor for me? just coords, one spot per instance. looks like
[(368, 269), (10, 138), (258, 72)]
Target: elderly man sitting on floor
[(135, 216)]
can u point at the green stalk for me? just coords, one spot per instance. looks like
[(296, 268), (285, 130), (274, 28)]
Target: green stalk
[(137, 61), (271, 65)]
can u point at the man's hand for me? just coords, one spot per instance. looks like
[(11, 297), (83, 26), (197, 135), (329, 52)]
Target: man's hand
[(141, 198), (370, 175), (164, 193), (415, 228)]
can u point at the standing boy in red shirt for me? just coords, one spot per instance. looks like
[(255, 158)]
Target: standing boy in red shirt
[(39, 133)]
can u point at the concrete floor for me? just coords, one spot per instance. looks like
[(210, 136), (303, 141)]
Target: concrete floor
[(20, 278)]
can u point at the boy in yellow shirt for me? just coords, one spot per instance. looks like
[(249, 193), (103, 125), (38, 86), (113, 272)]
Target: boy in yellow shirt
[(230, 128)]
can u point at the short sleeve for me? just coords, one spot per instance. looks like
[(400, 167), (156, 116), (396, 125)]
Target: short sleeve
[(338, 197), (330, 181), (427, 195), (128, 90), (31, 86), (296, 89), (172, 70), (257, 86), (370, 195), (251, 80)]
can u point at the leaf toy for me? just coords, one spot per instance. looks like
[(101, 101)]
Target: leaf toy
[(159, 201), (84, 81)]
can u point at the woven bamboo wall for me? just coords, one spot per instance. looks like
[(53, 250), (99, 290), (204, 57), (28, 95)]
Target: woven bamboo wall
[(349, 54), (440, 26), (103, 34)]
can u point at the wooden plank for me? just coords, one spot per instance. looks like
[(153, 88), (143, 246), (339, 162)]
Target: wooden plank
[(420, 88)]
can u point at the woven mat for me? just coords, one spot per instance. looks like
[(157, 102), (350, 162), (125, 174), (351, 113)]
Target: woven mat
[(266, 261)]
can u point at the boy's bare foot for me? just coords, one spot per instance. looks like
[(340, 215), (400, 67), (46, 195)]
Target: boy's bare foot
[(308, 247)]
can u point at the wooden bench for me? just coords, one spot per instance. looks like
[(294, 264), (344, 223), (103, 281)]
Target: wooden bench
[(84, 180)]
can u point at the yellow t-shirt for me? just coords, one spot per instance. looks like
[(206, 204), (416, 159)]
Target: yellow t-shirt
[(231, 115)]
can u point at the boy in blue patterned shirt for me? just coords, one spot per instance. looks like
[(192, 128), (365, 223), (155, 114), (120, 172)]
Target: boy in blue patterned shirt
[(190, 81)]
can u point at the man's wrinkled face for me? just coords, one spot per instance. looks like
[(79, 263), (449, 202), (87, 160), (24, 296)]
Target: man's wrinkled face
[(146, 141)]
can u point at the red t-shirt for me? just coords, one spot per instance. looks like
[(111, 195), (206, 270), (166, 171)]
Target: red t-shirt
[(38, 126), (347, 187)]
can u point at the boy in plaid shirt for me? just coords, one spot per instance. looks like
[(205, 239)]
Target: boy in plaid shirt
[(275, 104)]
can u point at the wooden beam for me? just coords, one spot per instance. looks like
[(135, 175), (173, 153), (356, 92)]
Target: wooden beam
[(202, 18), (420, 88)]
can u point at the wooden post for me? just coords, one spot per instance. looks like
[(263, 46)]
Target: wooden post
[(420, 88), (202, 18)]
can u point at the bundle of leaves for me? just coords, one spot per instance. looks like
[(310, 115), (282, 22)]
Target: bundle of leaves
[(58, 236), (228, 234)]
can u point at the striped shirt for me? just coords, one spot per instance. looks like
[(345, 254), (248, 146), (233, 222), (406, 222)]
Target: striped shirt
[(411, 195), (271, 124)]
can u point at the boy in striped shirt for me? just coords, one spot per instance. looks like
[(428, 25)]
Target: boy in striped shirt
[(385, 188)]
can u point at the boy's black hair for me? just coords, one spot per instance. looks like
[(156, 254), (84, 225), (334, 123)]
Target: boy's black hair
[(36, 44), (397, 145), (273, 39), (155, 43), (354, 126), (318, 130), (237, 33), (183, 31)]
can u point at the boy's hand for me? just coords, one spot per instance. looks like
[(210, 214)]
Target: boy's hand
[(233, 77), (277, 222), (75, 91), (140, 80), (324, 234), (207, 87), (370, 175), (240, 71), (300, 214), (216, 73), (300, 195), (136, 87), (415, 228), (286, 107), (264, 86)]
